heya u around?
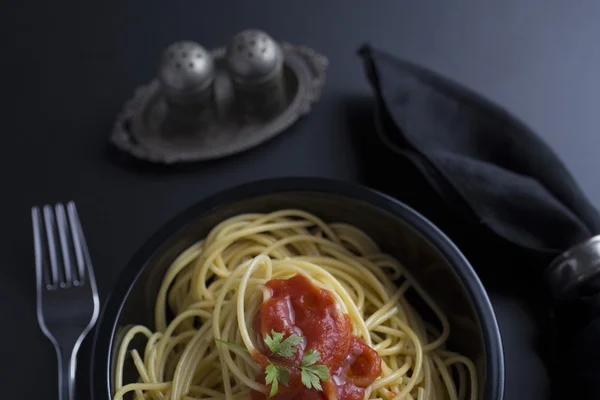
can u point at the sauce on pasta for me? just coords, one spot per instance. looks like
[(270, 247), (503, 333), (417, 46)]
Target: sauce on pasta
[(297, 306)]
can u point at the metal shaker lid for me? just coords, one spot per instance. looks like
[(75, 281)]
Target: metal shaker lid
[(253, 57), (573, 268), (186, 68)]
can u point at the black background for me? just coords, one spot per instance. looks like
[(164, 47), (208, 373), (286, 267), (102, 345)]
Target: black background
[(69, 65)]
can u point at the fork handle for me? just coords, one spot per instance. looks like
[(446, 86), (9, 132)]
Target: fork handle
[(66, 373)]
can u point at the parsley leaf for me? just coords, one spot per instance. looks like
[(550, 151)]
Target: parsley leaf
[(321, 371), (274, 341), (274, 375), (310, 380), (310, 357), (313, 374), (280, 347), (272, 379), (288, 346)]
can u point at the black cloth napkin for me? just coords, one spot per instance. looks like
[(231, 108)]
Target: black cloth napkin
[(497, 190)]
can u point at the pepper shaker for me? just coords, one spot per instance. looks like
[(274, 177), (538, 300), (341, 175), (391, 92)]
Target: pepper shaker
[(186, 76), (255, 64)]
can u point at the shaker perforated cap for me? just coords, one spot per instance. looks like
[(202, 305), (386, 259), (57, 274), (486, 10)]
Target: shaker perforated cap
[(186, 68), (253, 57)]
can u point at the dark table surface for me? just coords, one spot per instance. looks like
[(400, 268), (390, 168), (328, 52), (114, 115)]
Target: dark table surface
[(69, 66)]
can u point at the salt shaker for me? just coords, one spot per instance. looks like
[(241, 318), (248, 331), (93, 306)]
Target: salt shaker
[(186, 75), (255, 63)]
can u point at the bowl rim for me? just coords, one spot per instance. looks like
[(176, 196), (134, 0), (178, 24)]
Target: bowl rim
[(105, 330)]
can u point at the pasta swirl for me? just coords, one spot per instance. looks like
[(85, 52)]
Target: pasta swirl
[(215, 288)]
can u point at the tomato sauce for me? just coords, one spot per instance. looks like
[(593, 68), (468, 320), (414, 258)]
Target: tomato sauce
[(298, 306)]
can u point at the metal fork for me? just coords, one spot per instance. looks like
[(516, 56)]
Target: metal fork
[(67, 297)]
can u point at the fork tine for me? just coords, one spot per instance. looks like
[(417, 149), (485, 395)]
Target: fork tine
[(41, 275), (51, 242), (81, 251), (63, 233)]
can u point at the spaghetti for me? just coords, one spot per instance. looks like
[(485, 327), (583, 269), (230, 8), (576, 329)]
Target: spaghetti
[(218, 289)]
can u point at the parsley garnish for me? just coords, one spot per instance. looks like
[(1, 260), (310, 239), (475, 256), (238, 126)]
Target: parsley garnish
[(276, 374), (285, 348), (311, 374)]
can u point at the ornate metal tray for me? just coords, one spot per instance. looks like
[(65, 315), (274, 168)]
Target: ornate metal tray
[(142, 128)]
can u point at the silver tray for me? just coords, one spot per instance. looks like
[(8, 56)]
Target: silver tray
[(140, 127)]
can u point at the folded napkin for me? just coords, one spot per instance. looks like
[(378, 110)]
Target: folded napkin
[(497, 190)]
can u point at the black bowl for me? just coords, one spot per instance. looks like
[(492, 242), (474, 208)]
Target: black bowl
[(425, 250)]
